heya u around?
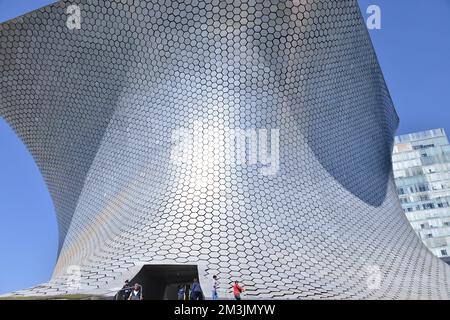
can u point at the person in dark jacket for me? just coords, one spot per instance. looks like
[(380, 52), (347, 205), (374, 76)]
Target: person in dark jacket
[(124, 293), (196, 290), (126, 290), (215, 286), (181, 292)]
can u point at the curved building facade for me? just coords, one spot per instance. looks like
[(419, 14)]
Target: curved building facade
[(133, 114)]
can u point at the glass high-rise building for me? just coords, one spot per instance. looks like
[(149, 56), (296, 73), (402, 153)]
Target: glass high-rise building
[(421, 164)]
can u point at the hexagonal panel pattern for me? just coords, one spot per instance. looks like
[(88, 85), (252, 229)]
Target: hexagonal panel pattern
[(101, 109)]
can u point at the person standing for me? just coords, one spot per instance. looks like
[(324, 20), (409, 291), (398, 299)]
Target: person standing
[(126, 290), (123, 293), (237, 290), (181, 292), (196, 290), (136, 293), (215, 285)]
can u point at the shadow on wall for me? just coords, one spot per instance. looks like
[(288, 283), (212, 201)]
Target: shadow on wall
[(360, 160), (350, 121)]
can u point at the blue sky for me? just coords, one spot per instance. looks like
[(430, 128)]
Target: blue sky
[(28, 235), (413, 47), (28, 230)]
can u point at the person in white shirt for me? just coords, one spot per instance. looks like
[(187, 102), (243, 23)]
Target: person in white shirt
[(136, 293), (215, 285)]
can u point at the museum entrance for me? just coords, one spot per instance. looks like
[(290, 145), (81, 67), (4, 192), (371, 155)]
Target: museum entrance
[(163, 282)]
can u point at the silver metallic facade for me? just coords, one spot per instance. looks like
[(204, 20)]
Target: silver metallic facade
[(98, 108)]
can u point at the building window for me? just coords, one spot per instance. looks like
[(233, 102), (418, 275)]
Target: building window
[(428, 206), (429, 235), (444, 252), (426, 146), (422, 226)]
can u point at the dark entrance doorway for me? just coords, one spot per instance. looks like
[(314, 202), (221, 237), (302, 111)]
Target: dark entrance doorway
[(162, 282)]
